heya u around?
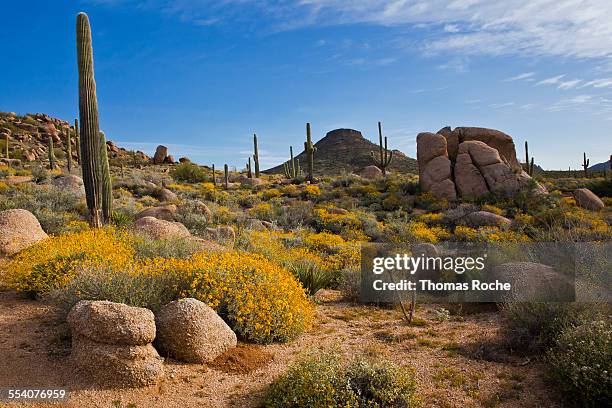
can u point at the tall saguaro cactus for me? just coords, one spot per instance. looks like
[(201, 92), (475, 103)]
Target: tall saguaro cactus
[(225, 176), (385, 156), (94, 160), (6, 145), (77, 139), (51, 154), (249, 172), (309, 149), (214, 178), (528, 163), (256, 155), (68, 151), (585, 165)]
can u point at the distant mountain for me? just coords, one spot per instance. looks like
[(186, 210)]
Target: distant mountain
[(346, 150), (600, 166)]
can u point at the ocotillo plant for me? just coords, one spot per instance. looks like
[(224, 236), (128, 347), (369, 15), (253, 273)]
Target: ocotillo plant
[(385, 155), (256, 155), (309, 149), (51, 154), (528, 163), (292, 167), (249, 172), (585, 165), (93, 161), (214, 179), (107, 186), (77, 139), (225, 176), (68, 151)]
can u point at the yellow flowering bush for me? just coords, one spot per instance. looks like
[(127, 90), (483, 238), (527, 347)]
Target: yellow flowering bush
[(488, 234), (492, 209), (53, 262), (260, 300), (269, 193), (417, 231), (311, 191)]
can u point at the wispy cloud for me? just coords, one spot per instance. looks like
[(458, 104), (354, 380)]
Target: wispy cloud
[(502, 105), (520, 77), (569, 84), (551, 81)]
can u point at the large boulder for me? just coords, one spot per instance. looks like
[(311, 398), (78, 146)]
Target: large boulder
[(160, 154), (117, 365), (160, 229), (163, 212), (224, 234), (71, 183), (190, 331), (533, 282), (18, 230), (371, 173), (585, 198), (435, 171), (166, 195), (112, 323)]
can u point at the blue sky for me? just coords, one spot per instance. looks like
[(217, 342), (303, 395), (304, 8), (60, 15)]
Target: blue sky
[(201, 76)]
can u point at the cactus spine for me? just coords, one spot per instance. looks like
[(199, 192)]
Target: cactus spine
[(585, 165), (225, 176), (51, 154), (68, 151), (385, 155), (256, 155), (309, 149), (77, 139), (528, 162), (292, 167), (249, 172), (91, 144)]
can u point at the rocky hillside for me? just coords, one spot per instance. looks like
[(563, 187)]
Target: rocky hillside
[(28, 137), (346, 150)]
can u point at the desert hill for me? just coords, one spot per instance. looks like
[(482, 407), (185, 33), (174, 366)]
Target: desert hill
[(29, 135), (346, 150)]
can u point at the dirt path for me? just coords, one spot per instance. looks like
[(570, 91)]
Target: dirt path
[(34, 350)]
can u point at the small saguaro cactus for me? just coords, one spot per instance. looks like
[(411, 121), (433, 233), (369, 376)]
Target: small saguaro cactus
[(292, 167), (51, 154), (6, 145), (528, 162), (93, 149), (309, 149), (68, 151), (77, 139), (256, 155), (585, 165), (385, 155), (214, 178), (249, 172), (225, 176)]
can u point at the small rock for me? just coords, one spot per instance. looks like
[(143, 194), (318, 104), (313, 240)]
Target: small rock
[(163, 212), (160, 229), (72, 183), (225, 234), (166, 195), (485, 219)]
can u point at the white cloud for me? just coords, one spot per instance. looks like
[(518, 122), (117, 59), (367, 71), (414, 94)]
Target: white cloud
[(569, 84), (520, 77), (551, 81), (502, 105)]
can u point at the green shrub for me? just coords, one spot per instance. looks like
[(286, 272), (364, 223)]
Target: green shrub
[(189, 173), (581, 364), (312, 276), (322, 380), (535, 326), (180, 248), (603, 188)]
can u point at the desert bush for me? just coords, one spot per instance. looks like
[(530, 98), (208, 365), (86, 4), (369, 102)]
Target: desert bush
[(322, 380), (602, 188), (189, 173), (180, 248), (312, 276), (581, 363), (53, 262), (533, 327)]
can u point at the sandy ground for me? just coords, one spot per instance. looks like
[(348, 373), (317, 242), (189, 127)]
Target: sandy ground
[(457, 363)]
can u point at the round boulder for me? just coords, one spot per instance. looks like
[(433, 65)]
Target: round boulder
[(533, 282), (371, 173), (191, 331), (585, 198), (166, 195), (160, 229), (71, 183), (112, 323), (19, 229), (485, 219)]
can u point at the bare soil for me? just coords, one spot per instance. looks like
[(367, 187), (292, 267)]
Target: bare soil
[(459, 362)]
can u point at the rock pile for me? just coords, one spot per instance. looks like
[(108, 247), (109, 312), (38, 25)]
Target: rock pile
[(471, 162), (161, 156), (111, 343)]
